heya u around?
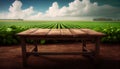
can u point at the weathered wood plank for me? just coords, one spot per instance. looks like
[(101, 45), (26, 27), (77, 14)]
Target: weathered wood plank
[(40, 32), (27, 32), (54, 33), (77, 32), (59, 32), (65, 32), (92, 32)]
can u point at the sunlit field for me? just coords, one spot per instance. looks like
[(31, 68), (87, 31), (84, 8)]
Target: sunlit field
[(8, 28)]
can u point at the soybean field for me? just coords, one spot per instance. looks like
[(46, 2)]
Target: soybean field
[(9, 28)]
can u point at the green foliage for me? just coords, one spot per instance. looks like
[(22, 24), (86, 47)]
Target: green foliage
[(8, 35), (8, 30), (42, 42), (113, 34)]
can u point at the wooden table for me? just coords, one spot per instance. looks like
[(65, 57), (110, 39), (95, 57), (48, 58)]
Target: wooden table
[(59, 34)]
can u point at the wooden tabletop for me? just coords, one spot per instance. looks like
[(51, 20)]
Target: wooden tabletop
[(35, 32)]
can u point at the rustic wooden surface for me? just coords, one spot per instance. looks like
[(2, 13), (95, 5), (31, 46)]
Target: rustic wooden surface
[(55, 34), (60, 32)]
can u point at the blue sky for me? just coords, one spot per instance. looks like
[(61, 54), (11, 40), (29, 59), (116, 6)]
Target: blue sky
[(42, 6), (39, 5)]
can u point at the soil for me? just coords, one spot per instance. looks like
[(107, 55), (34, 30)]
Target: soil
[(109, 57)]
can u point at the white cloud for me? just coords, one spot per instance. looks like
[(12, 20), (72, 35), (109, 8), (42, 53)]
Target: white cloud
[(82, 8), (15, 11), (53, 10), (36, 16), (75, 10), (16, 7), (28, 12)]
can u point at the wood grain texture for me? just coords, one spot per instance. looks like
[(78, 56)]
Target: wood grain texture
[(27, 32), (66, 32), (41, 32), (77, 32), (54, 33), (92, 32), (60, 32)]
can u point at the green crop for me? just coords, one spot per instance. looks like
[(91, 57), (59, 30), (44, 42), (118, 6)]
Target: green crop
[(8, 29)]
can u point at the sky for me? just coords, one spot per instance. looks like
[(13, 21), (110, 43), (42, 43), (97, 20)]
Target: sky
[(59, 9)]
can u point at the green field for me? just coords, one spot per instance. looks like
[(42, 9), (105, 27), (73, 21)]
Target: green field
[(66, 24), (8, 29)]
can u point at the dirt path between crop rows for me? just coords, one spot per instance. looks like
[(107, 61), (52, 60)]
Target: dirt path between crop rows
[(109, 58)]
